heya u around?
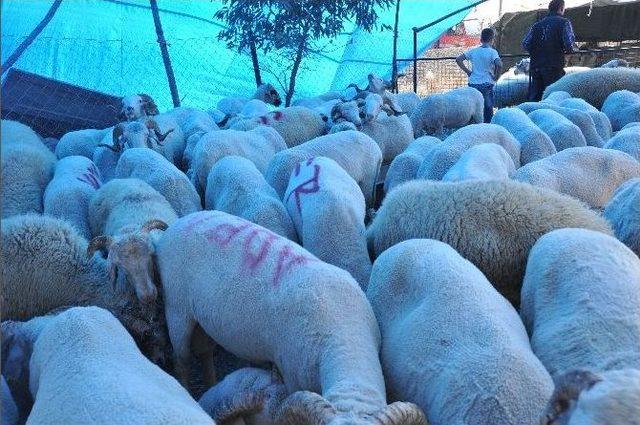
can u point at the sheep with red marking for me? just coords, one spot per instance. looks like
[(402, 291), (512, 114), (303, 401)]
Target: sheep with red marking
[(75, 180), (271, 301), (328, 211)]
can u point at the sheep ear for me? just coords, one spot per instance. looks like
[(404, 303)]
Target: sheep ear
[(16, 351), (392, 103), (150, 107)]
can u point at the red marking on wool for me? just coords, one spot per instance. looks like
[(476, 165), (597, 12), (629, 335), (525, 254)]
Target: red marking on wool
[(90, 178), (264, 120), (252, 260), (308, 186), (286, 260), (193, 222), (278, 115), (223, 233)]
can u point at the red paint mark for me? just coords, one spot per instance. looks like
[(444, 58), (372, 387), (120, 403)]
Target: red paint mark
[(193, 222), (91, 177), (308, 186), (286, 260), (253, 260), (264, 120), (223, 233), (278, 115)]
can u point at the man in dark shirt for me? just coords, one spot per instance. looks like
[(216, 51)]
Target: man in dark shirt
[(547, 41)]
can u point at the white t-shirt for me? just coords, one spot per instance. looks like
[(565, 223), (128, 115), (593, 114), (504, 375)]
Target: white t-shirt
[(482, 64)]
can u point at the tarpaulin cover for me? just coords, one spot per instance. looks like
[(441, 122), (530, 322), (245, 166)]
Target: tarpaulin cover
[(111, 46)]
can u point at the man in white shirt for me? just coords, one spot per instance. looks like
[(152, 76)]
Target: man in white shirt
[(485, 69)]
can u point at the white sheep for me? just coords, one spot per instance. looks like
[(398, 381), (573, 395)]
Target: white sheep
[(626, 140), (562, 132), (81, 142), (631, 124), (328, 210), (296, 124), (455, 108), (581, 119), (493, 223), (392, 134), (511, 89), (615, 63), (581, 302), (190, 121), (233, 105), (405, 166), (258, 145), (470, 361), (586, 398), (556, 98), (160, 174), (534, 143), (407, 101), (67, 196), (600, 119), (342, 126), (596, 84), (320, 333), (486, 161), (45, 266), (137, 106), (622, 107), (316, 101), (357, 153), (84, 357), (237, 187), (27, 168), (623, 212), (444, 155), (119, 215), (589, 174)]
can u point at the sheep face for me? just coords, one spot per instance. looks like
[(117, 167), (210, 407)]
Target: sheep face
[(372, 106), (347, 111), (137, 106), (565, 396), (268, 94), (523, 66), (377, 84), (133, 254), (136, 135)]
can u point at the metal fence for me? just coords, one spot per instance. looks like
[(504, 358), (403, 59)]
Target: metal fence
[(438, 72)]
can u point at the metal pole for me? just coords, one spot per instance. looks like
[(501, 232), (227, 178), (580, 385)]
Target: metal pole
[(437, 21), (415, 60), (27, 41), (394, 72), (165, 54)]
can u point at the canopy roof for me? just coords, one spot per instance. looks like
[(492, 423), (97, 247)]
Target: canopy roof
[(111, 46)]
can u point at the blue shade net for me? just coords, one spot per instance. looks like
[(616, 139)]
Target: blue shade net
[(111, 46)]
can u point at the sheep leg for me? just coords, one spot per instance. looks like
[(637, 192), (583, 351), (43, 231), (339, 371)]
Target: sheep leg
[(203, 348), (180, 332)]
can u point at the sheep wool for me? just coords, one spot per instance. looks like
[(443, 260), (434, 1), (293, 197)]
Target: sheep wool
[(296, 124), (582, 286), (84, 357), (9, 409), (486, 161), (27, 168), (80, 142), (392, 134), (534, 143), (152, 168), (266, 295), (444, 155), (600, 119), (75, 180), (453, 109), (258, 145), (562, 132), (622, 107), (237, 187), (623, 212), (493, 224), (405, 166), (581, 119), (589, 174), (626, 140), (596, 84), (473, 347), (357, 153), (328, 211)]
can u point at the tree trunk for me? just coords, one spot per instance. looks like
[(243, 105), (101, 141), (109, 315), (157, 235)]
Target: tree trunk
[(165, 54), (394, 72), (254, 60), (294, 72), (27, 42)]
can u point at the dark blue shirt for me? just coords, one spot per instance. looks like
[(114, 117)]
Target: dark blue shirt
[(547, 39)]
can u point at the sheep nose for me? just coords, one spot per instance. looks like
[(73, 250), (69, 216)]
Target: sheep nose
[(129, 108)]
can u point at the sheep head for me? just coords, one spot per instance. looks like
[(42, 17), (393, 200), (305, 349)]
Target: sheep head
[(523, 66), (565, 396), (138, 106), (133, 253), (377, 84), (268, 94), (157, 135), (347, 111), (307, 408)]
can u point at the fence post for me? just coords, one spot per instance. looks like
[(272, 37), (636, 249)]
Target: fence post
[(27, 42), (165, 54), (415, 60), (394, 72)]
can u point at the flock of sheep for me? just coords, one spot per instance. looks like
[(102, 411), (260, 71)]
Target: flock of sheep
[(498, 282)]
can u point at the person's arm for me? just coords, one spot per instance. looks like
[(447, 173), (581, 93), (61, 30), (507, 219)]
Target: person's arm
[(526, 41), (460, 61), (497, 68), (568, 38)]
